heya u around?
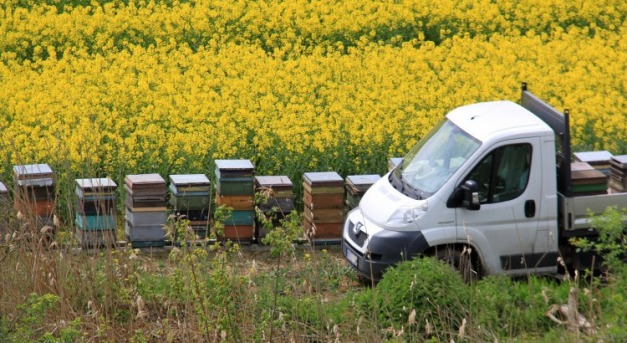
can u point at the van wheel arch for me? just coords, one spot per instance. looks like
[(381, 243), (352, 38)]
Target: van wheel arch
[(463, 257)]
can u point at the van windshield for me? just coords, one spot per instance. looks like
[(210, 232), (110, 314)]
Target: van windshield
[(432, 161)]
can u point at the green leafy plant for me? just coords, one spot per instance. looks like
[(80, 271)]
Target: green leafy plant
[(423, 297), (32, 315), (611, 243)]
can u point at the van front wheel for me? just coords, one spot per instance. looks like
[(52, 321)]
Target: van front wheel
[(462, 259)]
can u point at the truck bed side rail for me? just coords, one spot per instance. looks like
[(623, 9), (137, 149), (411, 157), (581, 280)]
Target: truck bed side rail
[(560, 124)]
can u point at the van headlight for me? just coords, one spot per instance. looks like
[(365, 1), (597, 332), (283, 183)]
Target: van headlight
[(408, 214)]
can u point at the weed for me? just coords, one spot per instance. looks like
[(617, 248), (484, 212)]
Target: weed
[(612, 240)]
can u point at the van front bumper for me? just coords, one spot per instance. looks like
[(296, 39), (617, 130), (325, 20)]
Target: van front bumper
[(385, 248)]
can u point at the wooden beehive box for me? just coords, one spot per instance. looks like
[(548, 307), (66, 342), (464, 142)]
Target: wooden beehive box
[(146, 211), (34, 192), (189, 192), (323, 198), (356, 187), (618, 173)]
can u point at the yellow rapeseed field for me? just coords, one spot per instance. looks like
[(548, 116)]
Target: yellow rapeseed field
[(108, 88)]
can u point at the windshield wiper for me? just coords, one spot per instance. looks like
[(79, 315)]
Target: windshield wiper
[(410, 191)]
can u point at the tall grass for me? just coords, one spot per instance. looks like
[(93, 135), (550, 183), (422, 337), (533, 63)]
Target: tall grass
[(277, 292)]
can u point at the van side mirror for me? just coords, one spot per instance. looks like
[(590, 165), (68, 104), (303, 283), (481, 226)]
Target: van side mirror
[(471, 195)]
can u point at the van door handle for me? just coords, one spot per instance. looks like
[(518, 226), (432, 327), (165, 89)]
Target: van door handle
[(530, 208)]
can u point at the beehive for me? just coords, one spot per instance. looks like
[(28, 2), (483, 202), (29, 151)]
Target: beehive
[(276, 200), (96, 212), (189, 199), (146, 211), (323, 200), (356, 187), (618, 173), (34, 192), (235, 189)]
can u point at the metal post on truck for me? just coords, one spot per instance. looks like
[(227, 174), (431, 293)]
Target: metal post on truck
[(560, 124)]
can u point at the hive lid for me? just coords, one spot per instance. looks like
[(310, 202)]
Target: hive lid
[(273, 181), (189, 179), (323, 178), (234, 165), (96, 183), (358, 180), (30, 171), (140, 180), (594, 157), (580, 166), (619, 161), (43, 182)]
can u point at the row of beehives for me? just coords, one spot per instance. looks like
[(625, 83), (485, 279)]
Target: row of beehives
[(150, 203)]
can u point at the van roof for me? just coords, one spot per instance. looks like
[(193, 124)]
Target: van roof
[(498, 120)]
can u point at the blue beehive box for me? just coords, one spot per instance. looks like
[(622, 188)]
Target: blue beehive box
[(95, 222), (145, 235)]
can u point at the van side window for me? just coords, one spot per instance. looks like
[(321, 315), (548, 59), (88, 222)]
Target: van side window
[(503, 174)]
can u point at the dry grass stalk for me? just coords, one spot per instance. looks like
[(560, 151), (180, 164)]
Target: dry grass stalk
[(141, 308), (412, 317), (462, 329)]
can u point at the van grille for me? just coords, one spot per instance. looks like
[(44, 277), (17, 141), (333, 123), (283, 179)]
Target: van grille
[(358, 237)]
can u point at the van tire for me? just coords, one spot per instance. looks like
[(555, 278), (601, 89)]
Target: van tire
[(462, 259)]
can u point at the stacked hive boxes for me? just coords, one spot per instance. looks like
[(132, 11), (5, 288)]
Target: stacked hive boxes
[(356, 186), (146, 211), (189, 197), (618, 175), (599, 160), (235, 189), (323, 198), (96, 213), (586, 180), (276, 200), (34, 193)]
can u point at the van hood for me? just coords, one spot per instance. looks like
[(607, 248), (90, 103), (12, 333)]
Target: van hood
[(382, 203)]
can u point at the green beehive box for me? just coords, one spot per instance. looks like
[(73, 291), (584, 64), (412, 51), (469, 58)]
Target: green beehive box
[(241, 217), (189, 203), (196, 200), (236, 186)]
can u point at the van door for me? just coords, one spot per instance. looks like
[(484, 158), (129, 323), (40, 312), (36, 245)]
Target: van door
[(509, 177)]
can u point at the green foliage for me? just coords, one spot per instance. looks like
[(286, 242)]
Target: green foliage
[(220, 215), (427, 286), (67, 334), (507, 308), (611, 299), (612, 241), (281, 239), (32, 315)]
